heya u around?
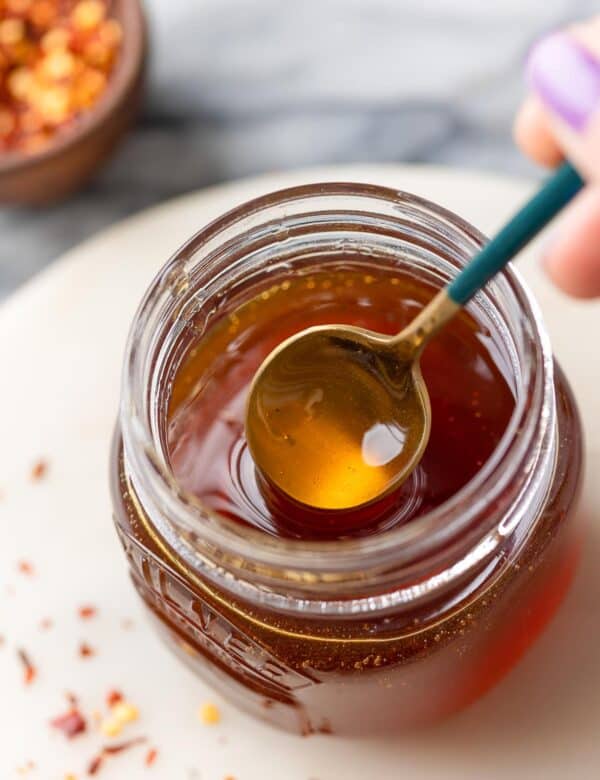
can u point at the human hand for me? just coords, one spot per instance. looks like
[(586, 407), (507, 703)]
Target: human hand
[(561, 118)]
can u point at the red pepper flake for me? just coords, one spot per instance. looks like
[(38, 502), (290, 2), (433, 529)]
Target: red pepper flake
[(85, 651), (113, 697), (71, 723), (25, 567), (29, 670), (110, 750), (46, 623), (151, 756), (95, 764), (86, 612), (39, 470)]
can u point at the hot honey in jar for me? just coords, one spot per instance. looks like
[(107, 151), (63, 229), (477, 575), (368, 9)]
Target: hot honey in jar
[(471, 405), (353, 622)]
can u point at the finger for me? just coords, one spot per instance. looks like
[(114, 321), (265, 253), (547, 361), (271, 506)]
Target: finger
[(533, 133), (564, 73), (572, 260)]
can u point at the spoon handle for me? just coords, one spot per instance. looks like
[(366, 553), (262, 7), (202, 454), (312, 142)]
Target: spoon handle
[(558, 190), (554, 195)]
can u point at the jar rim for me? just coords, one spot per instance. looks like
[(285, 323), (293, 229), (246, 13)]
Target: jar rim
[(232, 541)]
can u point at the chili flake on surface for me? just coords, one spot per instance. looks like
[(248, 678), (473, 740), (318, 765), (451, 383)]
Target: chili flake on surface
[(85, 651), (56, 57), (110, 750), (209, 714), (25, 567), (40, 468), (87, 611), (95, 764), (113, 697), (29, 670), (151, 756), (71, 723), (121, 713)]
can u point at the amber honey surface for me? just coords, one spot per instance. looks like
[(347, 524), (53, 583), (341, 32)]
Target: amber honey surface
[(470, 398)]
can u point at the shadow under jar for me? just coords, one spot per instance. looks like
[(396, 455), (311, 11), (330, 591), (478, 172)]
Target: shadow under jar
[(410, 614)]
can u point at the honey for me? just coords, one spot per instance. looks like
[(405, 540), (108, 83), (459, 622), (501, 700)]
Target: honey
[(471, 405), (364, 622)]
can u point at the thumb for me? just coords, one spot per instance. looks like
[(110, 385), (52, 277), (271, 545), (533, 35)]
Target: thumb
[(563, 70)]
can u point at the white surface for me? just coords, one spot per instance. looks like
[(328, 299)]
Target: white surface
[(60, 353)]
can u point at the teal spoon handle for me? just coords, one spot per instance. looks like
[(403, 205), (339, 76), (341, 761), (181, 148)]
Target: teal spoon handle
[(525, 225)]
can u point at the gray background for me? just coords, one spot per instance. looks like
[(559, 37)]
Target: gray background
[(245, 86)]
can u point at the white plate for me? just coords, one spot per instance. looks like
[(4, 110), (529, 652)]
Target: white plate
[(60, 355)]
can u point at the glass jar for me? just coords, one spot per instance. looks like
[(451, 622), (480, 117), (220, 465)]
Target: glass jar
[(365, 635)]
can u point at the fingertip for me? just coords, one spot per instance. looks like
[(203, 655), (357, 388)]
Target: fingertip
[(533, 135), (572, 260)]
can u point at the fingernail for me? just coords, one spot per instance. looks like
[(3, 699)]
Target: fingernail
[(566, 77)]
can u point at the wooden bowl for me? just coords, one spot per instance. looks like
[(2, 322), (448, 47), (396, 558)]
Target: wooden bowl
[(73, 157)]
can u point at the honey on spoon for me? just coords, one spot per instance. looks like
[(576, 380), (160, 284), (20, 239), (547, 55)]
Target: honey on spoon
[(338, 416)]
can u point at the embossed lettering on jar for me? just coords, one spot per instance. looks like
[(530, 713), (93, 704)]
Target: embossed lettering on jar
[(353, 624)]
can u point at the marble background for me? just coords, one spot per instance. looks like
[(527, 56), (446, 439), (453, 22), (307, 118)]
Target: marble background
[(238, 87)]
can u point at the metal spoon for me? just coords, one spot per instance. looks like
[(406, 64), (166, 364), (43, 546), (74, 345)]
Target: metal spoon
[(338, 416)]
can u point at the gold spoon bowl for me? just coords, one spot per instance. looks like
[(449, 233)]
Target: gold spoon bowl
[(339, 416)]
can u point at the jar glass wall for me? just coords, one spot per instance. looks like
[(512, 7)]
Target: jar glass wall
[(365, 634)]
